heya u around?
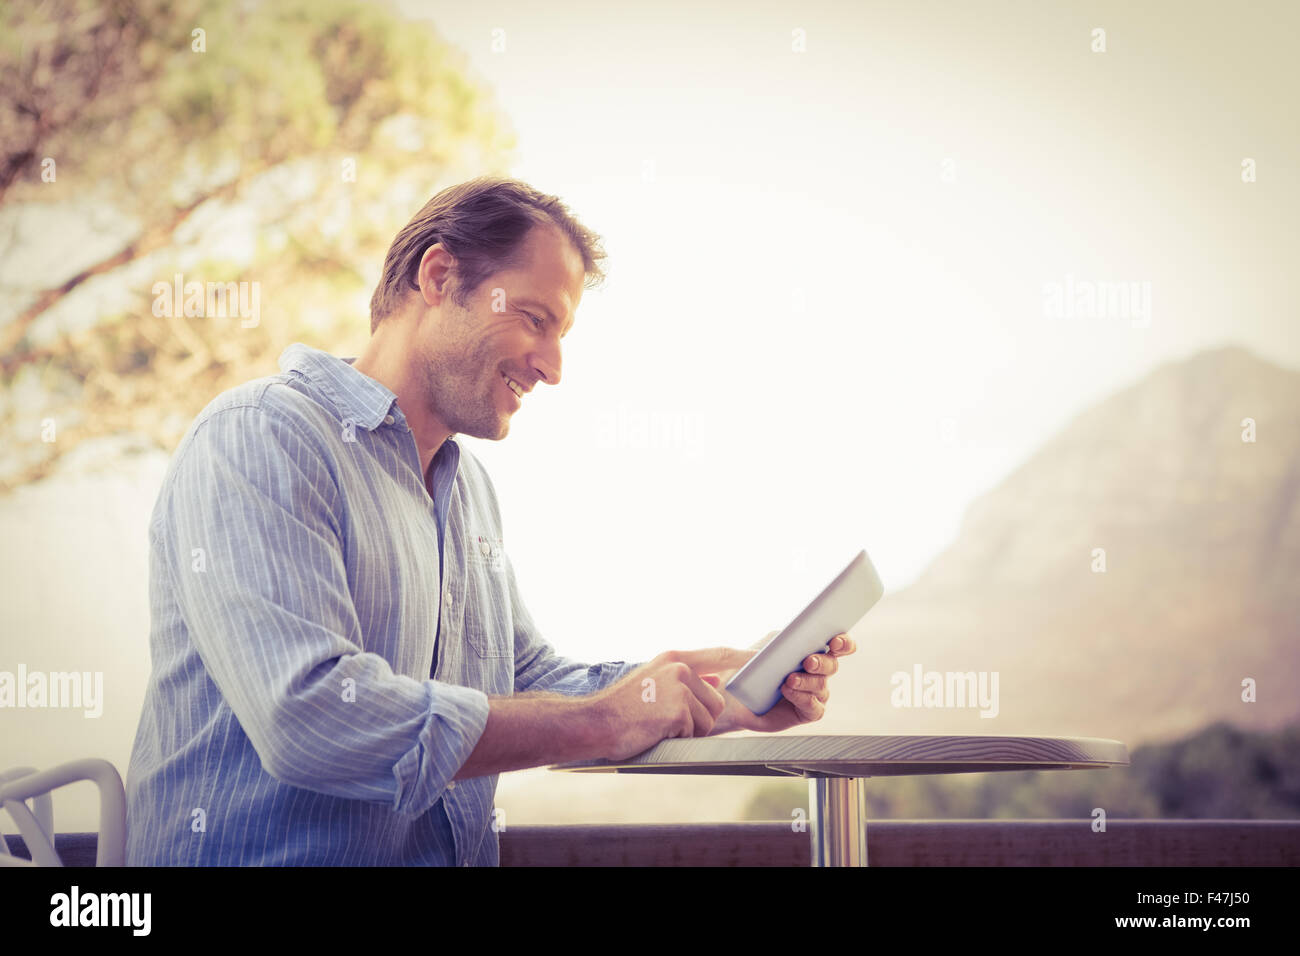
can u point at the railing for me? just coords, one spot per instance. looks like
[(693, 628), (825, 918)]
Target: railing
[(889, 843), (917, 843)]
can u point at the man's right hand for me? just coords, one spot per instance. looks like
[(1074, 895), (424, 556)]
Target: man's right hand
[(660, 699)]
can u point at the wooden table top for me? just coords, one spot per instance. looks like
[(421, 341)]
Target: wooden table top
[(775, 755)]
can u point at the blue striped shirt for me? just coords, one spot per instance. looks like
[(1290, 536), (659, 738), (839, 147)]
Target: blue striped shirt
[(325, 636)]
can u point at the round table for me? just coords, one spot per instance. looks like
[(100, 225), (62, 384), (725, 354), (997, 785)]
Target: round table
[(837, 768)]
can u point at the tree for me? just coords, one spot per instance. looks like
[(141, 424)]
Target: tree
[(281, 144)]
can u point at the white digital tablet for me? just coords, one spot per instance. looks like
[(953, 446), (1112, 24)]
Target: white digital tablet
[(843, 603)]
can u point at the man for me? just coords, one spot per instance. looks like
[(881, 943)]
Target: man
[(342, 664)]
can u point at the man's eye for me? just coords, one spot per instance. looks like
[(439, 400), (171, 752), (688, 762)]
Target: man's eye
[(537, 323)]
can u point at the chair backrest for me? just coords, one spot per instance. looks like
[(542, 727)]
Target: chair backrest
[(36, 824)]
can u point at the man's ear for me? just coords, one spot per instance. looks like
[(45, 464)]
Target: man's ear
[(436, 274)]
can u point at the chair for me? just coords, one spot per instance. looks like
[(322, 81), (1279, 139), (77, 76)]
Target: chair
[(36, 824)]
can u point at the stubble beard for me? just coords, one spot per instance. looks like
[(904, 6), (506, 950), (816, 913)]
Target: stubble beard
[(460, 390)]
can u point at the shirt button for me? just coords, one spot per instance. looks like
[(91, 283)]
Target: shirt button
[(451, 785), (389, 419)]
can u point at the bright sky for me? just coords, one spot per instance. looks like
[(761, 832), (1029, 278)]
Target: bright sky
[(827, 273), (826, 302)]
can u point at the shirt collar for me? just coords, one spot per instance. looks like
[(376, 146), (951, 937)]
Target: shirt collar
[(356, 396)]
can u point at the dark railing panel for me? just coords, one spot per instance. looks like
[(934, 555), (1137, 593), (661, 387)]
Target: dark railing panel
[(1073, 843), (889, 843), (695, 844), (74, 849), (918, 843)]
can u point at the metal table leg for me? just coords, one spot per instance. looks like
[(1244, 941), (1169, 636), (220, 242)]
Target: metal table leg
[(839, 821)]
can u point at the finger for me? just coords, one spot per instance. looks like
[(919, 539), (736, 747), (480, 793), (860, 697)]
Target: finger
[(710, 697), (809, 682), (807, 704), (842, 644), (701, 719), (685, 726), (822, 693), (710, 660), (823, 664)]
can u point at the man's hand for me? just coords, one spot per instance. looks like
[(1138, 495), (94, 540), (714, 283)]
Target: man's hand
[(804, 693), (663, 698), (679, 694)]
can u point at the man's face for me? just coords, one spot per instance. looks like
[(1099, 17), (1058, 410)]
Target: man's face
[(511, 326)]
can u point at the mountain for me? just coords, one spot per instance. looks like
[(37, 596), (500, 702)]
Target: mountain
[(1200, 589)]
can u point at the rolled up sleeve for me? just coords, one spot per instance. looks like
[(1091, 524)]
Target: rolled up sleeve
[(262, 585)]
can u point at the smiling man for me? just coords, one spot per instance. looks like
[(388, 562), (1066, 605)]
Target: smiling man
[(342, 662)]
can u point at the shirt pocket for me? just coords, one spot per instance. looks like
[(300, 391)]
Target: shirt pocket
[(489, 624)]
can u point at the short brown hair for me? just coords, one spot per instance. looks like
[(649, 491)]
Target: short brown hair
[(482, 223)]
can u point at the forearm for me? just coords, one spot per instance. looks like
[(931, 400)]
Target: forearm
[(536, 729)]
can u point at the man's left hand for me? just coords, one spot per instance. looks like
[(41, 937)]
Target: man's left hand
[(804, 694)]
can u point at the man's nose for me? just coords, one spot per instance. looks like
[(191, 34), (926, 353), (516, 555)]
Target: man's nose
[(547, 361)]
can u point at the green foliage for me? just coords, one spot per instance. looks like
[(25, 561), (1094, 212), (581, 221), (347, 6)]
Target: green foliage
[(317, 127)]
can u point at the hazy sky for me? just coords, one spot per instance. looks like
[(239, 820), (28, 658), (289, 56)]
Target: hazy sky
[(828, 270)]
